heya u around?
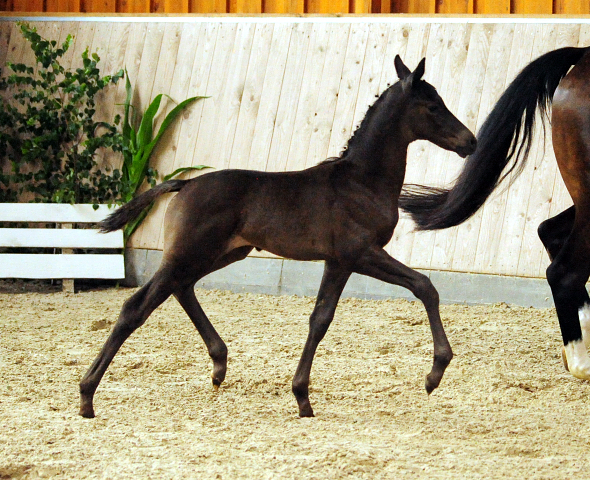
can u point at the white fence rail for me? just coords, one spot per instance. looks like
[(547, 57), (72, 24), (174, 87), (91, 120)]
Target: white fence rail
[(65, 265)]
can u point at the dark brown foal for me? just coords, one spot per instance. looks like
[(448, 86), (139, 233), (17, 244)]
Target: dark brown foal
[(342, 211)]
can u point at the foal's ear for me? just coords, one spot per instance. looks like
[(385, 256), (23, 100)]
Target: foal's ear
[(402, 71), (419, 72)]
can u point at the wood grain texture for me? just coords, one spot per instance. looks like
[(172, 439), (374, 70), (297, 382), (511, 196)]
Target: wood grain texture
[(285, 95)]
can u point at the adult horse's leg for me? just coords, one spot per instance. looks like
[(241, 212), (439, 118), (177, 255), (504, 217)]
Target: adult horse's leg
[(214, 343), (554, 231), (567, 276), (570, 269), (333, 282), (134, 313), (378, 264)]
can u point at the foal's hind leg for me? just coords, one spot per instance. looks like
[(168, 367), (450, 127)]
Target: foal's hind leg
[(333, 282), (134, 313), (378, 264), (214, 343)]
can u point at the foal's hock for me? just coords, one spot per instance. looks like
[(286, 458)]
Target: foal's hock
[(342, 211)]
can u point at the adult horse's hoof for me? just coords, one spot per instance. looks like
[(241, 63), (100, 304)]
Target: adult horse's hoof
[(577, 360), (564, 358)]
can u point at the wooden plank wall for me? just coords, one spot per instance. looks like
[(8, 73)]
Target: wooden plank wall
[(486, 7), (287, 93)]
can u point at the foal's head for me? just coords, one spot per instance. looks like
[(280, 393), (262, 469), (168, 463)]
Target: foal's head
[(426, 116)]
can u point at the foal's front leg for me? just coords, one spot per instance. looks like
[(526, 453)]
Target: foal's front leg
[(378, 264), (333, 282)]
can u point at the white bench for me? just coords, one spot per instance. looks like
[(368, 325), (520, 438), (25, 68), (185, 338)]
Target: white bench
[(65, 265)]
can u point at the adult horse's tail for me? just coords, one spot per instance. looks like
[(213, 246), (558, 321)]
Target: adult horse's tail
[(503, 144), (131, 210)]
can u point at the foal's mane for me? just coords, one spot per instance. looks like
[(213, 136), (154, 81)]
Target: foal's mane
[(375, 116), (373, 126)]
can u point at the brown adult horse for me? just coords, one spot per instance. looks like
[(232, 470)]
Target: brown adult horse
[(342, 211), (504, 142)]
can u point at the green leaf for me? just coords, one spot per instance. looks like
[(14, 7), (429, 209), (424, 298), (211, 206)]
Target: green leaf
[(145, 130), (132, 226), (178, 171), (168, 120)]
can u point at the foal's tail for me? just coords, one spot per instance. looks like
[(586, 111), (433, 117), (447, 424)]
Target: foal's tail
[(503, 143), (120, 217)]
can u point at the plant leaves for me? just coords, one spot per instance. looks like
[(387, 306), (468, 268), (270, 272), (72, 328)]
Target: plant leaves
[(178, 171)]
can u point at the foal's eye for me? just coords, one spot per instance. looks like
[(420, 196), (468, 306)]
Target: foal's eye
[(433, 108)]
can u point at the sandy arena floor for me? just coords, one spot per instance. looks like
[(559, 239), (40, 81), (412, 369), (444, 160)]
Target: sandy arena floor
[(505, 409)]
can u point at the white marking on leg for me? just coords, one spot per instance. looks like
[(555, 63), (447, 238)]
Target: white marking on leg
[(584, 315), (578, 361)]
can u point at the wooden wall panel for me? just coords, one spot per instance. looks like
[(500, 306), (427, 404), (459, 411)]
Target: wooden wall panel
[(287, 107), (572, 7), (5, 33), (481, 37), (285, 95), (363, 7), (269, 97), (532, 7), (494, 7), (327, 6), (284, 6), (421, 6), (454, 6)]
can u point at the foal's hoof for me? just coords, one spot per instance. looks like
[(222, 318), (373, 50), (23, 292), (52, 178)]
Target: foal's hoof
[(306, 413), (432, 382), (216, 382), (429, 385), (86, 410), (305, 410)]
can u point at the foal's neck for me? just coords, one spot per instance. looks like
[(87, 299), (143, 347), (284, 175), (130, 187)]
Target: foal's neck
[(383, 149), (381, 142)]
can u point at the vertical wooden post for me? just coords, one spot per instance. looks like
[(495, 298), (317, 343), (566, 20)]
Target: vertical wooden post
[(133, 6), (572, 7), (245, 6), (176, 6), (67, 284), (363, 6), (533, 7), (492, 6), (454, 6), (63, 5), (100, 6), (327, 6), (27, 6), (207, 6), (421, 6), (284, 6)]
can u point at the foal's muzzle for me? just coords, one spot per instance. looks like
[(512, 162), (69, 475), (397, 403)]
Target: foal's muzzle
[(466, 145)]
